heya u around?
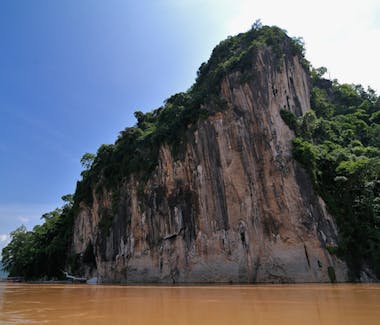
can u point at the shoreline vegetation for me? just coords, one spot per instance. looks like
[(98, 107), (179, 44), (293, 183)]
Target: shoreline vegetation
[(338, 143)]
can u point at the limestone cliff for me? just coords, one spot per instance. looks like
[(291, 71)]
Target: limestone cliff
[(232, 207)]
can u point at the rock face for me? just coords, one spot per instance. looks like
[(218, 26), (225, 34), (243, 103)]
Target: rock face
[(235, 207)]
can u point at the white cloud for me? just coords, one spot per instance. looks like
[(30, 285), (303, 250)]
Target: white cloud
[(24, 219), (3, 238)]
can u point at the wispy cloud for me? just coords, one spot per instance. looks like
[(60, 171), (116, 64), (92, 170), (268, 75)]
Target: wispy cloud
[(24, 220)]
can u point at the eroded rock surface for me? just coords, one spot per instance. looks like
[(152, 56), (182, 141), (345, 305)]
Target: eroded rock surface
[(234, 207)]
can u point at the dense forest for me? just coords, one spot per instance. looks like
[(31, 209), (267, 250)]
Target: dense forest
[(338, 141), (41, 253)]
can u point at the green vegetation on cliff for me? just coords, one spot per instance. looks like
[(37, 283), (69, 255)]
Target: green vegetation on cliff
[(45, 250), (135, 152), (339, 144)]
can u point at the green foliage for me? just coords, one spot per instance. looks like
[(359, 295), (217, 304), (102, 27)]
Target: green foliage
[(289, 118), (320, 103), (318, 73), (87, 160), (331, 274), (16, 255), (306, 153), (339, 145), (333, 250), (43, 251), (237, 53)]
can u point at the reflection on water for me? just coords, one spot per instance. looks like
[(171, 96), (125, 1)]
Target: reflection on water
[(264, 304)]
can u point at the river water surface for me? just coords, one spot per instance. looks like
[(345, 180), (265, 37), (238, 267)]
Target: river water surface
[(256, 304)]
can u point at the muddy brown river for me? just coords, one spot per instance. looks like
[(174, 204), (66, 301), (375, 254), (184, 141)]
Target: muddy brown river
[(256, 304)]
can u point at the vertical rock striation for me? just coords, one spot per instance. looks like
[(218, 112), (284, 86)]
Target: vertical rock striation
[(234, 207)]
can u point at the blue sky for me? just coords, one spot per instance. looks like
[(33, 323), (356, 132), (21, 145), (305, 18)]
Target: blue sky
[(73, 72)]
